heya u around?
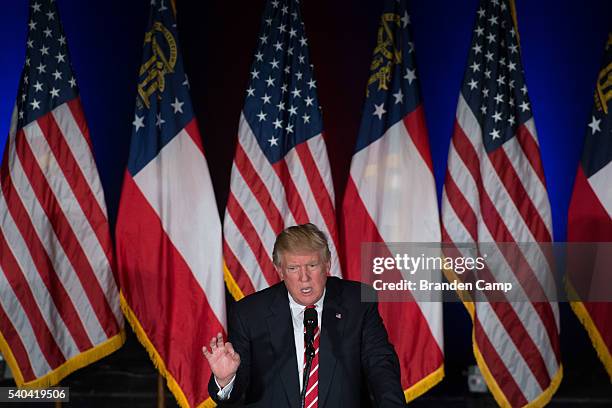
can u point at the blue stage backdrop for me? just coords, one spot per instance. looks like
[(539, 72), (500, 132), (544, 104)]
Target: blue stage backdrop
[(562, 46)]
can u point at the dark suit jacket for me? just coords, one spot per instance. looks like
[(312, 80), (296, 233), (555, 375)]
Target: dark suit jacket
[(354, 351)]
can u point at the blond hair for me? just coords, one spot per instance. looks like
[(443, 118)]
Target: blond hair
[(300, 238)]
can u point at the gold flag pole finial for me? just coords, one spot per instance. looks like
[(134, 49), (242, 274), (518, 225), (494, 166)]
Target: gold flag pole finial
[(515, 21)]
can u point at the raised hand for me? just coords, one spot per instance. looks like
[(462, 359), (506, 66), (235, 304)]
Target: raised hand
[(222, 359)]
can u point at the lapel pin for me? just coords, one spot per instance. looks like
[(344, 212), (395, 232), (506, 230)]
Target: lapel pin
[(338, 315)]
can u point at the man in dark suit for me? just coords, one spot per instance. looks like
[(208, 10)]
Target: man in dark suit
[(262, 363)]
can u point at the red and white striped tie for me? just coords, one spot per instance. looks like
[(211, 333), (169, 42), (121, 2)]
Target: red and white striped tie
[(312, 391)]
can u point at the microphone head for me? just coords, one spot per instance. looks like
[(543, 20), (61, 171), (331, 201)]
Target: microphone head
[(311, 319)]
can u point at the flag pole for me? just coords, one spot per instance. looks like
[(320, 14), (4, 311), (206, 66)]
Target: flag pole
[(58, 404), (161, 393)]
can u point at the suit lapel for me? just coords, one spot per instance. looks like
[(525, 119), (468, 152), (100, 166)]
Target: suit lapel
[(334, 318), (280, 327)]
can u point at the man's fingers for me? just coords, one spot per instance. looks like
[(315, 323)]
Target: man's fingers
[(219, 340), (232, 353), (216, 346), (236, 357)]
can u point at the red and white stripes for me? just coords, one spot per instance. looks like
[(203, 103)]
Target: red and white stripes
[(265, 198), (501, 197), (311, 399), (59, 296)]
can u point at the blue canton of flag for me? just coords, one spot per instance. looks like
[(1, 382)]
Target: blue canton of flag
[(281, 103), (597, 152), (47, 80), (494, 85), (392, 90), (163, 104)]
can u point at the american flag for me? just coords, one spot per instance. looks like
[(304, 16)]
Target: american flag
[(590, 212), (391, 194), (168, 229), (59, 302), (495, 192), (281, 174)]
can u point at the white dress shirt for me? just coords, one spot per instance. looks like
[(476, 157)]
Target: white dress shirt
[(297, 314), (297, 318)]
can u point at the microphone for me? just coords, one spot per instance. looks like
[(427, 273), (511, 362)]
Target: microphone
[(311, 320)]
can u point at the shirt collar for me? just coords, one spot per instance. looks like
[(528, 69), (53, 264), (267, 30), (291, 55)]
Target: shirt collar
[(297, 310)]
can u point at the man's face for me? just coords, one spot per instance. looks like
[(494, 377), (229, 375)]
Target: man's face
[(304, 274)]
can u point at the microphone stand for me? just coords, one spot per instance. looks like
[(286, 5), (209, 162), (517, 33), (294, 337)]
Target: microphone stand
[(310, 323), (310, 352)]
